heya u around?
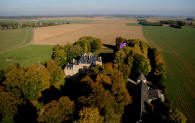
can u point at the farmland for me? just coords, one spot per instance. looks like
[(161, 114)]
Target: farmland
[(26, 55), (11, 39), (105, 28), (177, 47)]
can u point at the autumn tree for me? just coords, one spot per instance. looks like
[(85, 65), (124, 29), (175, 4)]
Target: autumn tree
[(29, 81), (56, 74), (177, 116), (104, 101), (108, 68), (57, 111), (159, 70), (9, 103), (2, 76), (119, 58), (90, 115)]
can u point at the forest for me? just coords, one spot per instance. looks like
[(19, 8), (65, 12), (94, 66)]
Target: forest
[(42, 93)]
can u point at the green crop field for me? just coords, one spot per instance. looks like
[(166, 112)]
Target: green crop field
[(26, 55), (14, 38), (177, 47)]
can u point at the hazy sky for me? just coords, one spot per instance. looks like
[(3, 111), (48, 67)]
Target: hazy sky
[(69, 7)]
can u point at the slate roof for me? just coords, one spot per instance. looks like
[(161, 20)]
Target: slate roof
[(141, 77), (144, 96), (154, 94)]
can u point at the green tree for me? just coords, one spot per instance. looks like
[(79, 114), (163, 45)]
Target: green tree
[(72, 52), (60, 55), (57, 111), (140, 65), (90, 115)]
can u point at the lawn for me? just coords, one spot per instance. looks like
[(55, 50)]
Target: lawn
[(13, 38), (26, 55), (177, 47)]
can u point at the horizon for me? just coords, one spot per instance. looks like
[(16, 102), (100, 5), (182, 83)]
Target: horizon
[(92, 7)]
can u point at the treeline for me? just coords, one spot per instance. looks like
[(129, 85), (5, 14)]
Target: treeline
[(171, 23), (146, 23), (22, 87), (16, 25), (41, 93), (138, 57)]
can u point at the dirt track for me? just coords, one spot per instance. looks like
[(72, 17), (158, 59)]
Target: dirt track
[(105, 29)]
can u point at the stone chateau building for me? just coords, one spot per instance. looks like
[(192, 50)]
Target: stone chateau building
[(82, 65)]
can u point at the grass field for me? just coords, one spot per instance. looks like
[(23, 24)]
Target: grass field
[(177, 47), (13, 38), (26, 55)]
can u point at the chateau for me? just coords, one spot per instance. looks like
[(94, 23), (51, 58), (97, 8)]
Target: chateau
[(82, 65)]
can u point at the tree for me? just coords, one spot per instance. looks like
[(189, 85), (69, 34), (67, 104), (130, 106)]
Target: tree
[(2, 76), (57, 111), (60, 55), (118, 41), (104, 101), (125, 69), (177, 116), (108, 68), (130, 62), (56, 74), (96, 44), (90, 115), (103, 79), (89, 44), (29, 81), (119, 58), (140, 65), (9, 103), (72, 52)]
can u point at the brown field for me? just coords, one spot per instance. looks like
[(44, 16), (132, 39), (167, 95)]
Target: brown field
[(107, 29)]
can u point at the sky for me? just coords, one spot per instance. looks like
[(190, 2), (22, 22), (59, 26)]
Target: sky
[(89, 7)]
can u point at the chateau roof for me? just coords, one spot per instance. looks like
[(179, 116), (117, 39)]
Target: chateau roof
[(144, 96)]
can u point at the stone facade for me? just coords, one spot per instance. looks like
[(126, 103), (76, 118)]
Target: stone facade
[(82, 65)]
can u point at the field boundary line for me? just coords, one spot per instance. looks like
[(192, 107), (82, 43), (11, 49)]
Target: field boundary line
[(22, 45)]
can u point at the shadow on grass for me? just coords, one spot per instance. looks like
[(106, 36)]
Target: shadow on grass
[(110, 46)]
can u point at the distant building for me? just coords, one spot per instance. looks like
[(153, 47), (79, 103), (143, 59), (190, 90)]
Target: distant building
[(82, 65)]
